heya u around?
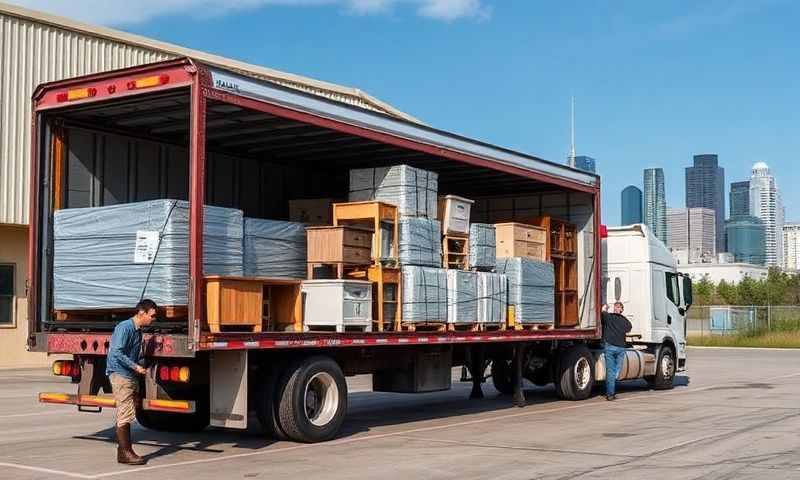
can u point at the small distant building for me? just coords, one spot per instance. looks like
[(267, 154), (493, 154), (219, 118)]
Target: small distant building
[(791, 246), (585, 163), (730, 272)]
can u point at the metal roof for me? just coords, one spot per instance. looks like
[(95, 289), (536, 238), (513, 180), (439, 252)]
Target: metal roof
[(348, 95)]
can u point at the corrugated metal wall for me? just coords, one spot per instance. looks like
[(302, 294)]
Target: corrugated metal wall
[(30, 54)]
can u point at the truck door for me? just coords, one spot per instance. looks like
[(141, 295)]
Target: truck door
[(675, 309)]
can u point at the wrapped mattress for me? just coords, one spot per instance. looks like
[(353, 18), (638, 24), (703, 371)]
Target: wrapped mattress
[(111, 257), (492, 297), (420, 242), (462, 296), (424, 294), (531, 288), (274, 249), (482, 246), (413, 190)]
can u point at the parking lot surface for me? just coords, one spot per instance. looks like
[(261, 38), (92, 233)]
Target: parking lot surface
[(734, 414)]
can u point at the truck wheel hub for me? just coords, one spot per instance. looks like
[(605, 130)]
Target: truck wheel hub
[(321, 399), (583, 373)]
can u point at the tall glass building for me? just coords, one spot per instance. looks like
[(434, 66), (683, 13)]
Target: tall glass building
[(746, 238), (631, 205), (740, 199), (767, 205), (705, 188), (655, 202)]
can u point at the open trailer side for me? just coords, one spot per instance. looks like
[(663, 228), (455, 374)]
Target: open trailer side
[(196, 132)]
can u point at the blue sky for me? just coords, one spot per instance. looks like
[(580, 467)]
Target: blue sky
[(655, 82)]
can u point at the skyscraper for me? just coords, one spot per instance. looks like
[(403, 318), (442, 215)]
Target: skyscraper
[(766, 205), (705, 188), (585, 163), (655, 202), (691, 234), (791, 246), (740, 199), (631, 205), (745, 239)]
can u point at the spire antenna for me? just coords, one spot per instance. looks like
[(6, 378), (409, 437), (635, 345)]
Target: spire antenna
[(572, 135)]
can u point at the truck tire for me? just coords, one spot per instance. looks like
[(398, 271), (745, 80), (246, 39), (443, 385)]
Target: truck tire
[(574, 375), (176, 422), (665, 370), (312, 400), (501, 376), (266, 406)]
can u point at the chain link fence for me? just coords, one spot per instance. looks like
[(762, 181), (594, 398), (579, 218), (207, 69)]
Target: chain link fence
[(708, 320)]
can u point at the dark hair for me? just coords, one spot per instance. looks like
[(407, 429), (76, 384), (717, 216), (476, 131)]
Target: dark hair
[(146, 305)]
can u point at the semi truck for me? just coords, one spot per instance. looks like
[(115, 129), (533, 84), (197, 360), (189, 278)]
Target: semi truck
[(208, 135)]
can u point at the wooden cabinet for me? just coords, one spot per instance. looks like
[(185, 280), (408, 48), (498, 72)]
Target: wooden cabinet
[(341, 246), (233, 302), (521, 240)]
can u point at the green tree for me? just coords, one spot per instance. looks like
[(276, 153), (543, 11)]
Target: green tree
[(728, 293), (703, 291)]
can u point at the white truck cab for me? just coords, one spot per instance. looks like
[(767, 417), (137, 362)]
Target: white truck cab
[(639, 271)]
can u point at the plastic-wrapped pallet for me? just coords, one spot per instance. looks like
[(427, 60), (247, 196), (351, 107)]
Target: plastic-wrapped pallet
[(111, 257), (492, 297), (531, 288), (413, 190), (420, 242), (462, 296), (274, 249), (424, 294), (482, 246)]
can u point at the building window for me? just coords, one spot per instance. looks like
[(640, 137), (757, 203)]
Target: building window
[(6, 295)]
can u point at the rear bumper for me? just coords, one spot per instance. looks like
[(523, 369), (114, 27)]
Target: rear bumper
[(107, 401)]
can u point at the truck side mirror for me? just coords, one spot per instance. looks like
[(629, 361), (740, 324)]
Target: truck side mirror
[(687, 292), (682, 311)]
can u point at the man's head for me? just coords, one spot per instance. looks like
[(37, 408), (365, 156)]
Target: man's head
[(619, 308), (145, 312)]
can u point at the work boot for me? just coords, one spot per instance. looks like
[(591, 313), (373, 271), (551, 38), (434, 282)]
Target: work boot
[(125, 453), (611, 398)]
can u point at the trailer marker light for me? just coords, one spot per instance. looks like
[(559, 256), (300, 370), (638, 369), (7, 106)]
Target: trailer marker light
[(163, 373), (148, 82), (77, 94), (54, 398), (57, 367), (183, 374), (169, 405), (174, 374)]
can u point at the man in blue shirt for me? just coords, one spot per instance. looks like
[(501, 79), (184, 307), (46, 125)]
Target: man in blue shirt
[(123, 370)]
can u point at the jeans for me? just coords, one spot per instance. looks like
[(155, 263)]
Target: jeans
[(614, 357)]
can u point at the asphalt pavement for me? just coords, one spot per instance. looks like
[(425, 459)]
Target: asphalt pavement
[(734, 415)]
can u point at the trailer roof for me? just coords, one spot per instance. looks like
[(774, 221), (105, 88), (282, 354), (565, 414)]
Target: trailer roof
[(249, 115)]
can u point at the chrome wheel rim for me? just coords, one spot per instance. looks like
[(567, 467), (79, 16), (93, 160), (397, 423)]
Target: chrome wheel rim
[(583, 373), (667, 366), (321, 399)]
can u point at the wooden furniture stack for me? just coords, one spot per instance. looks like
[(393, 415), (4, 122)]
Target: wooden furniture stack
[(454, 212), (562, 249), (384, 273), (521, 240)]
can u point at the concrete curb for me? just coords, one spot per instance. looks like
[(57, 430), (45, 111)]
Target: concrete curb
[(698, 347)]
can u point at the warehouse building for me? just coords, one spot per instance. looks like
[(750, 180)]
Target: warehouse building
[(36, 48)]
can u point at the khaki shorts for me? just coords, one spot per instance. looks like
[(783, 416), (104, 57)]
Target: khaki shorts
[(126, 392)]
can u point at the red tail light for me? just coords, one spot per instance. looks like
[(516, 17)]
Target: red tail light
[(66, 368), (163, 373), (175, 374)]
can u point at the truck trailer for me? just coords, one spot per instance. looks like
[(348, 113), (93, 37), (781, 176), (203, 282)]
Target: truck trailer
[(207, 135)]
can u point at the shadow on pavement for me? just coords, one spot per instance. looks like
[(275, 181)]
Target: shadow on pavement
[(367, 411)]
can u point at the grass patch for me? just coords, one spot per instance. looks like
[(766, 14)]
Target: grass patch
[(784, 339)]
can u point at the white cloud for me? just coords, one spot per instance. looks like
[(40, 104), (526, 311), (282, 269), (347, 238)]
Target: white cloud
[(116, 12)]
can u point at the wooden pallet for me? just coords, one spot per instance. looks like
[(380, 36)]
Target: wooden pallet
[(464, 327), (423, 327), (337, 328), (214, 328), (534, 326), (490, 327), (166, 312)]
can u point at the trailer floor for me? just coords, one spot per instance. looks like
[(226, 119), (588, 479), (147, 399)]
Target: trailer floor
[(736, 415)]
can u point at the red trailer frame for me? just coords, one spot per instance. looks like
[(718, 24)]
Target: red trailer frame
[(183, 73)]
